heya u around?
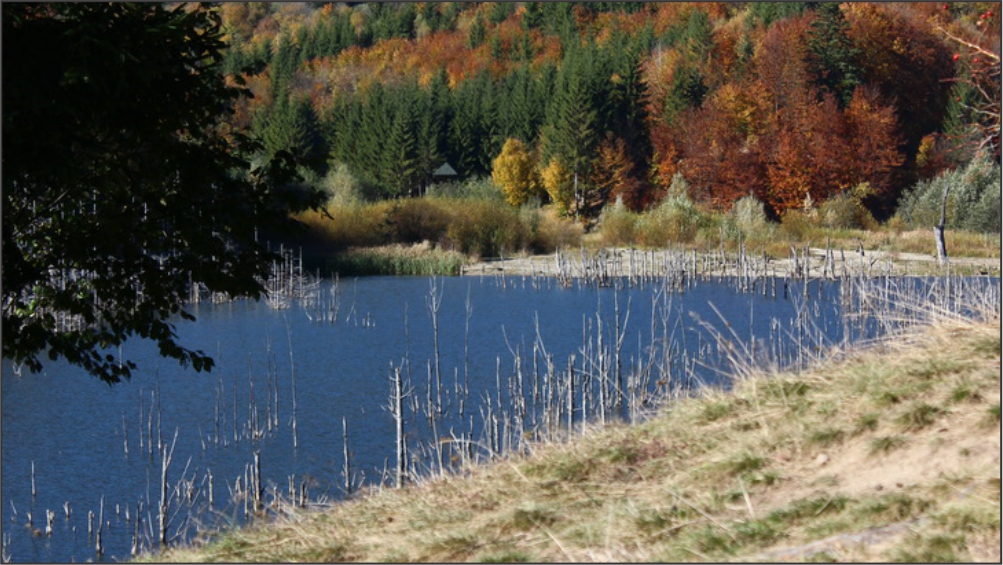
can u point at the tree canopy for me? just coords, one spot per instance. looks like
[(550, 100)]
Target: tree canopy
[(124, 183), (769, 99)]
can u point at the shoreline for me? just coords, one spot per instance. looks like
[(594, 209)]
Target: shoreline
[(822, 263), (796, 465)]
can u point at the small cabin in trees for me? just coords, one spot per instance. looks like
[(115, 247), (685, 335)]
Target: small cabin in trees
[(445, 173)]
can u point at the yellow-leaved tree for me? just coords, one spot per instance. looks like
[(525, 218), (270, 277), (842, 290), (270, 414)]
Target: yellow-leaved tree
[(558, 181), (514, 171)]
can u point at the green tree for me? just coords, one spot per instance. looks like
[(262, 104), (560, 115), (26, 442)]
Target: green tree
[(283, 67), (500, 11), (765, 13), (832, 57), (401, 165), (121, 187), (472, 127), (533, 16), (628, 113), (476, 34), (291, 126), (520, 110), (575, 116), (688, 91)]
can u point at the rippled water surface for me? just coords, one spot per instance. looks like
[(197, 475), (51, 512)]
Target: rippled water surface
[(89, 444)]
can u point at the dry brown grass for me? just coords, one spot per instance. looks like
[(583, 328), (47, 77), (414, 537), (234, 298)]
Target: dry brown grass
[(780, 468)]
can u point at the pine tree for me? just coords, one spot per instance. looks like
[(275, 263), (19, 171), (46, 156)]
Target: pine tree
[(472, 127), (571, 138), (370, 139), (428, 132)]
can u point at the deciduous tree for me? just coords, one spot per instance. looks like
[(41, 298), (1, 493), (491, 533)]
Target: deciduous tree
[(558, 181), (121, 188), (514, 171)]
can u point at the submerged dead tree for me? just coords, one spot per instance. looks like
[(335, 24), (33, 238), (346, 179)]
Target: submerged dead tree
[(938, 230), (397, 395)]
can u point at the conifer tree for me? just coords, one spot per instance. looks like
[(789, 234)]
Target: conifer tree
[(292, 127), (688, 91), (832, 57), (283, 67), (471, 129), (533, 16), (441, 108), (400, 166), (476, 34), (370, 139)]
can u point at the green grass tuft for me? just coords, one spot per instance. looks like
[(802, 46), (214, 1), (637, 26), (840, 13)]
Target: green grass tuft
[(886, 444), (511, 556), (993, 413), (931, 549), (919, 416), (866, 422), (743, 463), (827, 436)]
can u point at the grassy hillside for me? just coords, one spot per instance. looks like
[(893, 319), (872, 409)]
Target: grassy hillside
[(891, 452)]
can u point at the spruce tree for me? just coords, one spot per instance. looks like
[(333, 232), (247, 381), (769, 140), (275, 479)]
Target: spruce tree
[(283, 67), (291, 126), (400, 166), (533, 16), (476, 34), (832, 57), (570, 134)]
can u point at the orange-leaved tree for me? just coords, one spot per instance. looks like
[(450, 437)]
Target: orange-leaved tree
[(611, 176), (873, 135)]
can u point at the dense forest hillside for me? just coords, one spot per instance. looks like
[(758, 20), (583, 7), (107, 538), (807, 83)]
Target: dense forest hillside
[(787, 102)]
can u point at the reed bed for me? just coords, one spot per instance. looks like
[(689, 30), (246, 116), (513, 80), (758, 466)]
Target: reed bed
[(476, 227), (403, 260), (539, 399)]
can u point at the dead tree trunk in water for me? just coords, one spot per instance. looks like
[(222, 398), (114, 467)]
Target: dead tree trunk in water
[(348, 456), (938, 230), (163, 509), (397, 410)]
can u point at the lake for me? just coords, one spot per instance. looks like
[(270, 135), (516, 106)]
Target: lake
[(483, 363)]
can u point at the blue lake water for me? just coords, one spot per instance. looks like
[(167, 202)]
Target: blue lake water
[(89, 443)]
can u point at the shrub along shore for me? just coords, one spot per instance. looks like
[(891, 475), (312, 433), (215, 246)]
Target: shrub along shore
[(453, 228), (889, 452)]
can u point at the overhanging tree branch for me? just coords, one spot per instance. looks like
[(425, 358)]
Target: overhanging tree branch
[(120, 188)]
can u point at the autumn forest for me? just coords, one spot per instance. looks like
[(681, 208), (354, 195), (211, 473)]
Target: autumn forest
[(583, 104)]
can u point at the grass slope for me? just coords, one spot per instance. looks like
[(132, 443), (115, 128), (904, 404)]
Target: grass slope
[(889, 454)]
